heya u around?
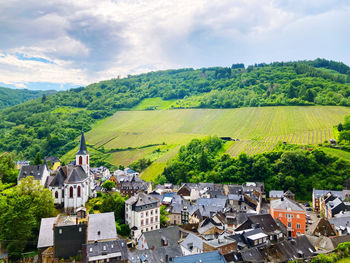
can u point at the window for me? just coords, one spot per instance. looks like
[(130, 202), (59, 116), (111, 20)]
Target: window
[(147, 222), (151, 227), (156, 219), (298, 226), (62, 193), (151, 220), (56, 194), (79, 191), (156, 211), (280, 214), (298, 216), (60, 231), (151, 212), (289, 224), (80, 229), (87, 159), (147, 213), (142, 215), (90, 249), (104, 248), (141, 222), (80, 160), (71, 192)]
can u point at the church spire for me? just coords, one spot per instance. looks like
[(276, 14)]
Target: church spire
[(82, 145)]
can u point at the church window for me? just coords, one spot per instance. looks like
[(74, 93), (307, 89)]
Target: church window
[(71, 192), (56, 194), (87, 159), (80, 160), (79, 191)]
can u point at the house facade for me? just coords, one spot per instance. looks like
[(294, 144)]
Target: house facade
[(290, 214), (142, 214)]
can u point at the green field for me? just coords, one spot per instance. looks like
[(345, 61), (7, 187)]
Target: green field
[(258, 130)]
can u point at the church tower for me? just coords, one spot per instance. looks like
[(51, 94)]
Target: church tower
[(82, 157)]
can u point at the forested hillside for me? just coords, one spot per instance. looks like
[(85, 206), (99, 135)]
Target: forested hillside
[(49, 125), (11, 97)]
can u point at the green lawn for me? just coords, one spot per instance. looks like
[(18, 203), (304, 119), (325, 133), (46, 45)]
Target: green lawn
[(258, 129), (344, 260)]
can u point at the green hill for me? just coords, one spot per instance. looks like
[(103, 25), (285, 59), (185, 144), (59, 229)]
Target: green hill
[(51, 126), (11, 97)]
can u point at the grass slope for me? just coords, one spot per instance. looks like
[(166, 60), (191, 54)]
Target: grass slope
[(258, 129)]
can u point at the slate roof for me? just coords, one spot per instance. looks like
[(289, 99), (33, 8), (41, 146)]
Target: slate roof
[(108, 249), (192, 240), (46, 232), (264, 221), (157, 255), (208, 257), (101, 227), (82, 145), (141, 199), (332, 205), (216, 202), (320, 193), (139, 185), (36, 171), (276, 193), (68, 174), (285, 204), (252, 255), (154, 238)]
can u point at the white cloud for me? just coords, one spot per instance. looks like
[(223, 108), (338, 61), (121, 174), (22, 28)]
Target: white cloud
[(92, 40)]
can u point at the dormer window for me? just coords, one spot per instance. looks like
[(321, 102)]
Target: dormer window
[(90, 249), (104, 248)]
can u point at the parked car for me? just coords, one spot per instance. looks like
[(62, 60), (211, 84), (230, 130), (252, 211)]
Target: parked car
[(306, 204), (309, 209), (308, 216)]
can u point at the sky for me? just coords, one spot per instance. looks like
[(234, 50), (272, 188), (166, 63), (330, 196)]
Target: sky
[(62, 44)]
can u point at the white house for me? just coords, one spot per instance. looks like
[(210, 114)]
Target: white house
[(142, 214), (39, 172)]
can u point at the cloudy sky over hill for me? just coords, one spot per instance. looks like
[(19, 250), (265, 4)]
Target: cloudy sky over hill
[(62, 43)]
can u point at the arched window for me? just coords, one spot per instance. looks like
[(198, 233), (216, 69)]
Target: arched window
[(71, 192), (79, 191), (80, 160), (56, 194), (87, 159)]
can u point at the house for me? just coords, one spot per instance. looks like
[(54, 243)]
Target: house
[(210, 229), (208, 257), (318, 197), (133, 187), (114, 251), (39, 172), (159, 238), (289, 195), (249, 238), (175, 214), (341, 224), (142, 214), (328, 243), (291, 214), (192, 244), (65, 236), (222, 244), (321, 228), (130, 172), (52, 162), (334, 206), (100, 173), (189, 191), (267, 225)]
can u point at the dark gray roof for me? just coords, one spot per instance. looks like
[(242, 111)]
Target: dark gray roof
[(154, 238), (264, 221), (141, 199), (208, 257), (139, 185), (218, 202), (158, 255), (46, 232), (68, 174), (276, 193), (101, 227), (82, 145), (252, 255), (108, 249), (319, 193), (36, 171)]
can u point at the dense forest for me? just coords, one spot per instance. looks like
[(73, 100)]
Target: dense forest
[(50, 124), (11, 97), (285, 168)]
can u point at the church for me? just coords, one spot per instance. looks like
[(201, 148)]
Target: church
[(72, 185)]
